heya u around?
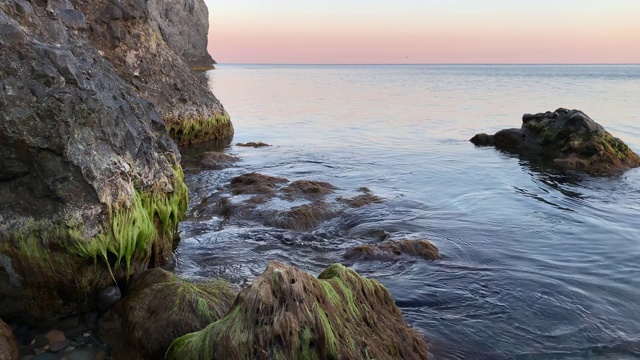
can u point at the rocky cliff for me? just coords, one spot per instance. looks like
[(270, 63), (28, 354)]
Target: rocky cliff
[(122, 31), (184, 26), (91, 187)]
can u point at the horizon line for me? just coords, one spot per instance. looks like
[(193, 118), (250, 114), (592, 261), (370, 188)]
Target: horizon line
[(378, 64)]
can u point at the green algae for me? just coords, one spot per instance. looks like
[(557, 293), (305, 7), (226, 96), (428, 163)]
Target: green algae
[(193, 128), (288, 314)]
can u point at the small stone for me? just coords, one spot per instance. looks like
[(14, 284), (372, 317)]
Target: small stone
[(108, 297), (73, 333), (45, 356), (55, 336), (79, 354), (41, 341), (101, 355), (86, 334), (55, 347)]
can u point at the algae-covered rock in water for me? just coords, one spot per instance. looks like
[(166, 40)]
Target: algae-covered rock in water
[(568, 137), (91, 188), (289, 314), (8, 343), (160, 307), (393, 250), (124, 32)]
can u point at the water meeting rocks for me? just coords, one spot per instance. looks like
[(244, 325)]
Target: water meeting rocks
[(126, 33), (91, 188), (289, 314), (570, 138)]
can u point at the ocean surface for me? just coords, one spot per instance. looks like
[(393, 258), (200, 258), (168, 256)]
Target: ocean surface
[(537, 264)]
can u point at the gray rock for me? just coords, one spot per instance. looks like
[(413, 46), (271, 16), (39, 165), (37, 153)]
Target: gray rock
[(79, 152), (107, 297), (184, 25)]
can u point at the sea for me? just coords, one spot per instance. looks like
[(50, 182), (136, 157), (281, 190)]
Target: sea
[(537, 263)]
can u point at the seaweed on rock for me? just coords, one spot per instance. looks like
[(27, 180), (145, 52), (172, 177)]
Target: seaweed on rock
[(289, 314)]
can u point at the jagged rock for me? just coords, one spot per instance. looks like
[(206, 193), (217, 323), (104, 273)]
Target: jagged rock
[(160, 307), (124, 33), (184, 25), (91, 188), (289, 314), (568, 137), (393, 250), (8, 344)]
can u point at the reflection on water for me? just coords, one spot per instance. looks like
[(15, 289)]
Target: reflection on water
[(538, 264)]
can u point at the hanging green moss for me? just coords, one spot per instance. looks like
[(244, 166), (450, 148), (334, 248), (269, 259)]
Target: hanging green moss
[(194, 128), (289, 314)]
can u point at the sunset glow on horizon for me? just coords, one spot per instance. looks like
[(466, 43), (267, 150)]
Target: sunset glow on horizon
[(427, 31)]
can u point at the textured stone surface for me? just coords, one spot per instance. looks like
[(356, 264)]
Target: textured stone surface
[(289, 314), (123, 32), (8, 344), (91, 188), (184, 25), (568, 138)]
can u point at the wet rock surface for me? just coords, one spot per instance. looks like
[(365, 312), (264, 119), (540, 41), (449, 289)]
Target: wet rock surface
[(394, 250), (339, 315), (212, 160), (300, 205), (160, 307), (8, 344), (91, 188), (252, 144), (125, 31), (568, 138), (184, 26)]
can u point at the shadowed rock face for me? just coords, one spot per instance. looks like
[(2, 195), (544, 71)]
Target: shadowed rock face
[(289, 314), (393, 250), (160, 307), (8, 343), (90, 183), (124, 33), (570, 138), (184, 26)]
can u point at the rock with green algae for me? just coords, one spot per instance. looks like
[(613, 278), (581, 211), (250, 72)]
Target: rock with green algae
[(289, 314), (129, 34), (160, 307), (91, 189), (570, 138), (394, 250)]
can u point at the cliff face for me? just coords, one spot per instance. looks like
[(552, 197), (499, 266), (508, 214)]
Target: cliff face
[(184, 25), (91, 188), (122, 30)]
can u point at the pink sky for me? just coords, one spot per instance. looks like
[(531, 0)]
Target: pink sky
[(496, 32)]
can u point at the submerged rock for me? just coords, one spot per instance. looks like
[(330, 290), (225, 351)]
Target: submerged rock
[(8, 344), (256, 183), (92, 190), (253, 144), (213, 160), (125, 31), (160, 307), (366, 198), (307, 189), (568, 137), (394, 250), (289, 314)]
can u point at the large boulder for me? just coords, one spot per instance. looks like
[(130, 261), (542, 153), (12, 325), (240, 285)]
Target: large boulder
[(8, 344), (289, 314), (123, 32), (184, 25), (91, 188), (570, 138), (160, 307)]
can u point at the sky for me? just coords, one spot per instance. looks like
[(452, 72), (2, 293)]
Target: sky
[(424, 31)]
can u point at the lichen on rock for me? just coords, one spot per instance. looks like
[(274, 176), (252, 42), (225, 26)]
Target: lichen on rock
[(160, 307), (569, 138), (289, 314)]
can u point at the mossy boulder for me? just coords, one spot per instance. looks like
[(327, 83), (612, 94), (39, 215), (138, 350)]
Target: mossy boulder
[(289, 314), (394, 250), (91, 188), (160, 307), (569, 138)]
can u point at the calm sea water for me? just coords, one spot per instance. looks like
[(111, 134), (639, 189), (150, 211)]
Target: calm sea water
[(538, 264)]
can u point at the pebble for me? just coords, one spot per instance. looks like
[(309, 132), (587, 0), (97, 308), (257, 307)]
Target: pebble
[(41, 341), (55, 347), (55, 336)]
